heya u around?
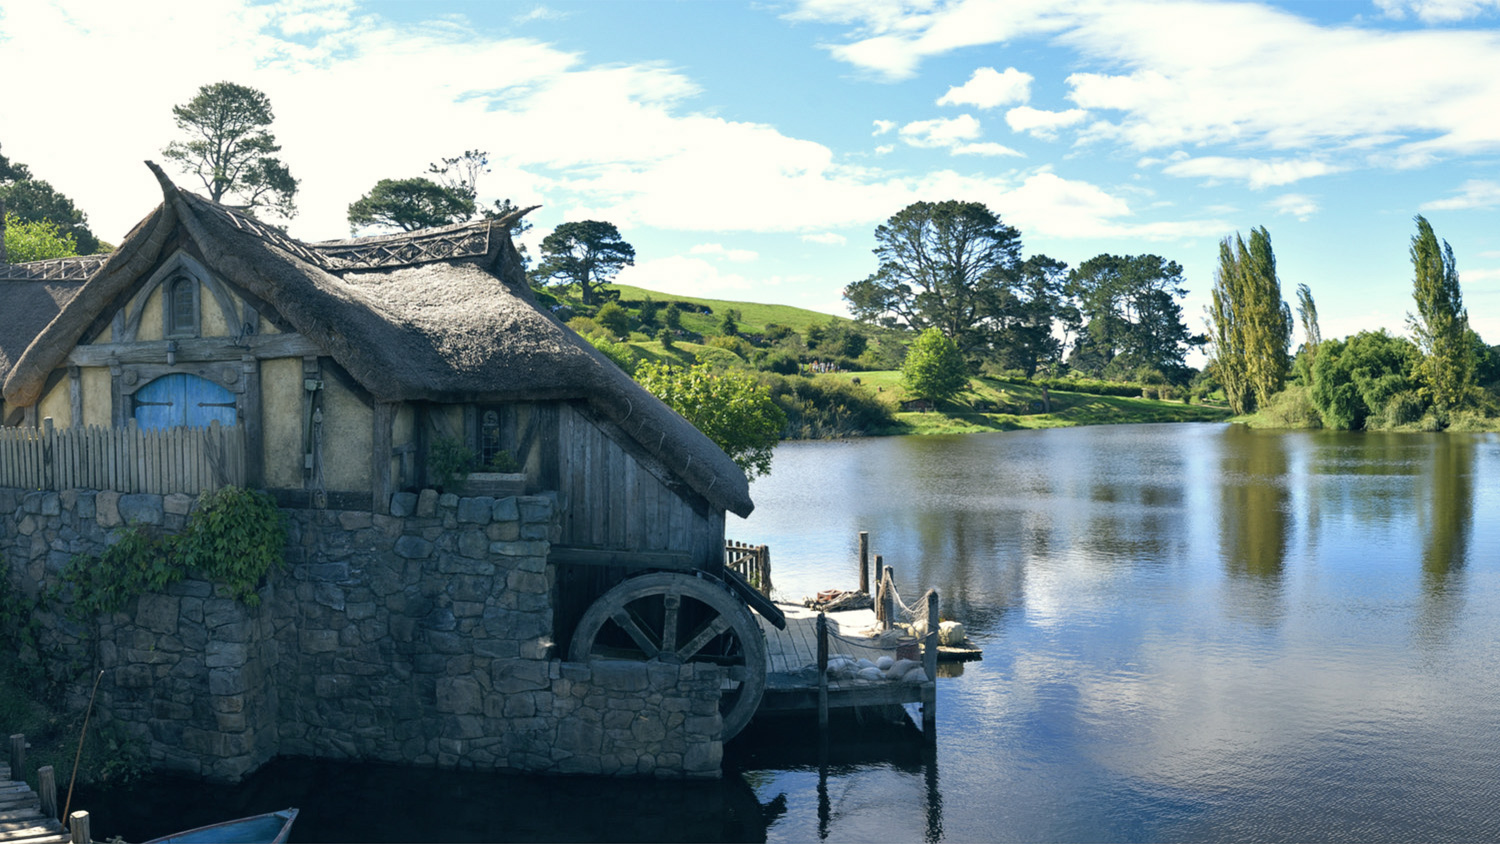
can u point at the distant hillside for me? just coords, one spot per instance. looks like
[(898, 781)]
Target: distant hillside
[(754, 317)]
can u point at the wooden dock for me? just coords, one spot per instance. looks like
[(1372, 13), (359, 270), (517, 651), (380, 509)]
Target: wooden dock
[(22, 820), (792, 676)]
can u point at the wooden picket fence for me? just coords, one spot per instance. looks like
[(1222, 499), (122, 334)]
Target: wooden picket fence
[(752, 562), (126, 460)]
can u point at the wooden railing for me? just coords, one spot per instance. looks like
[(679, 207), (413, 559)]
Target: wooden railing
[(126, 460), (752, 562)]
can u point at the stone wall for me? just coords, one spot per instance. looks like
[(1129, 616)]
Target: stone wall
[(422, 637)]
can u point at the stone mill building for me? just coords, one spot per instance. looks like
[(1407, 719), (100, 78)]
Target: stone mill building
[(572, 614)]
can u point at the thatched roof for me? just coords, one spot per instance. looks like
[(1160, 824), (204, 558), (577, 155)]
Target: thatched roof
[(440, 315), (26, 307)]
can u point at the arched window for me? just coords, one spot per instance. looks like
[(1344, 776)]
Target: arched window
[(182, 307)]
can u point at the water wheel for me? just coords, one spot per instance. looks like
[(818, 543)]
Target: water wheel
[(675, 618)]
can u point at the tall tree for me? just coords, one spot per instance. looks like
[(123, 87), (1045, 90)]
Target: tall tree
[(34, 200), (586, 254), (1312, 335), (231, 151), (943, 265), (1131, 316), (410, 204), (1441, 324), (1252, 326), (1026, 340), (1227, 335)]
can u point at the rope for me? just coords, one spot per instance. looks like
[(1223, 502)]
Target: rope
[(911, 615)]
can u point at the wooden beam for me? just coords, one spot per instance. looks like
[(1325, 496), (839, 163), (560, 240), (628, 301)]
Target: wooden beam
[(196, 349), (631, 559), (380, 470)]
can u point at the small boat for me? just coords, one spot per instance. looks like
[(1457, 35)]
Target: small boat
[(270, 828)]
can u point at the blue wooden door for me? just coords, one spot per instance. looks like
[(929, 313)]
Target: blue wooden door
[(173, 401)]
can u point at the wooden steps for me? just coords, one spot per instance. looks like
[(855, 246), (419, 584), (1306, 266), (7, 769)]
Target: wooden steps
[(21, 818)]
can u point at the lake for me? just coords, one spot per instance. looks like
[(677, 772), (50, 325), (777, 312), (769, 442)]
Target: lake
[(1190, 633)]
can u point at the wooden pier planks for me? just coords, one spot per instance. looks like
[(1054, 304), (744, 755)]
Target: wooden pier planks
[(792, 683), (21, 818)]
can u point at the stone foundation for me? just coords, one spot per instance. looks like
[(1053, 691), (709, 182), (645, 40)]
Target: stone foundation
[(423, 637)]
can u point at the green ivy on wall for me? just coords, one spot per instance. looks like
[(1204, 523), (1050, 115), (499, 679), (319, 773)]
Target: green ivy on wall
[(235, 536)]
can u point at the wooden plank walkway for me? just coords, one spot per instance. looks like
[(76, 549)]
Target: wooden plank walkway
[(21, 818), (792, 677)]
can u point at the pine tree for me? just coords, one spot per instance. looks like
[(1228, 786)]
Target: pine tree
[(1441, 324)]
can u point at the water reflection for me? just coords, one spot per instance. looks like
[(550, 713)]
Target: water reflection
[(1190, 632)]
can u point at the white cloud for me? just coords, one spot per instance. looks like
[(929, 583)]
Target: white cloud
[(1041, 123), (1254, 172), (885, 149), (987, 148), (1480, 276), (1475, 193), (541, 13), (989, 88), (941, 132), (1171, 77), (736, 255), (1298, 205), (882, 127), (892, 37), (1438, 11), (684, 276), (826, 238)]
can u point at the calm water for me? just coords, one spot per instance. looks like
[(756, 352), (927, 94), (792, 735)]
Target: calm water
[(1191, 632)]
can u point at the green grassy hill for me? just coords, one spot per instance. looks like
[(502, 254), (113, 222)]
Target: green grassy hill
[(754, 316)]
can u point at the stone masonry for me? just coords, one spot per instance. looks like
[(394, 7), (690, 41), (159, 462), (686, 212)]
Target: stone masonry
[(422, 637)]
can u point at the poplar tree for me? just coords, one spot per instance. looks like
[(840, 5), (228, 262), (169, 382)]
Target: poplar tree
[(1252, 326), (1226, 335), (1441, 324), (1312, 335), (1268, 323)]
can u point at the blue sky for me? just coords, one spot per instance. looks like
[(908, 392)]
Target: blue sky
[(749, 149)]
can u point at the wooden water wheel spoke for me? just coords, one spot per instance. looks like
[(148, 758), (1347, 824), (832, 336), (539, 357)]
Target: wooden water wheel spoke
[(628, 623), (624, 621), (706, 635), (671, 605)]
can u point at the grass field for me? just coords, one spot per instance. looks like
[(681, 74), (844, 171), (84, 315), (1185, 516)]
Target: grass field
[(754, 317), (990, 405)]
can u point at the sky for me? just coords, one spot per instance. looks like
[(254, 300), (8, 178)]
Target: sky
[(749, 149)]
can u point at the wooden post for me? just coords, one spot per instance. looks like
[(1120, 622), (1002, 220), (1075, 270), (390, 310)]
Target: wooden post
[(822, 672), (765, 569), (18, 757), (929, 663), (887, 599), (49, 445), (47, 784), (864, 561), (78, 825)]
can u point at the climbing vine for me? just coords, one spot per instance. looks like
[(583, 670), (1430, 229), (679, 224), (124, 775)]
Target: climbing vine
[(235, 536)]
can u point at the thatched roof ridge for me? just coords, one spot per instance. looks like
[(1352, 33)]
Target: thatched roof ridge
[(73, 268), (458, 329)]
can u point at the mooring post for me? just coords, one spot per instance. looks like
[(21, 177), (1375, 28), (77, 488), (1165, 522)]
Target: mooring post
[(929, 663), (887, 599), (18, 757), (47, 785), (78, 827), (822, 672), (864, 562)]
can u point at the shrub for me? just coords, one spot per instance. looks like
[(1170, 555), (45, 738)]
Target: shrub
[(586, 326), (671, 316), (782, 363), (825, 407), (1290, 408), (614, 319), (667, 337), (934, 369), (620, 354)]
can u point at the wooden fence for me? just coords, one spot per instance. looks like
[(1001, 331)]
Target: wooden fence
[(126, 460), (752, 562)]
